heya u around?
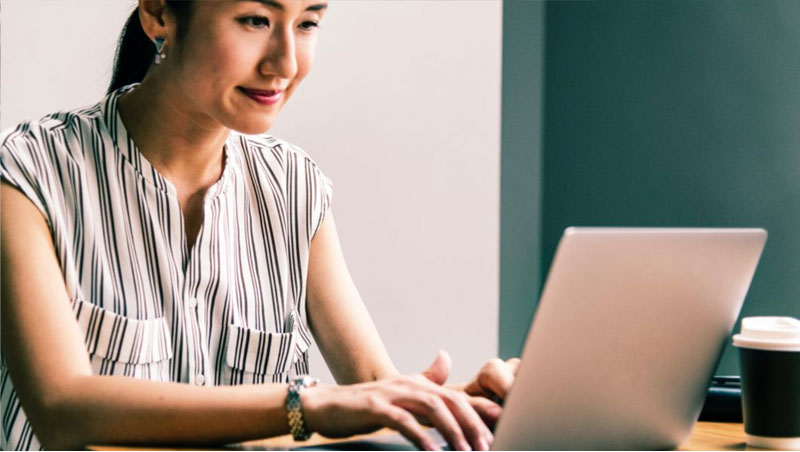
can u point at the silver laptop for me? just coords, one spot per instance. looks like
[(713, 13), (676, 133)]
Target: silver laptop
[(629, 330)]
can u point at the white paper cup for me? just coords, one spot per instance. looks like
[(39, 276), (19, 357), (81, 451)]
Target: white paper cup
[(769, 352)]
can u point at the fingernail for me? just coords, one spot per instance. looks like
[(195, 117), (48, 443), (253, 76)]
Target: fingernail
[(464, 446), (482, 444)]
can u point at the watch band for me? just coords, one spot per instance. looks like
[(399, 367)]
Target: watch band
[(294, 408)]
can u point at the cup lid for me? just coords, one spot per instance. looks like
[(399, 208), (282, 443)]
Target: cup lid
[(769, 333)]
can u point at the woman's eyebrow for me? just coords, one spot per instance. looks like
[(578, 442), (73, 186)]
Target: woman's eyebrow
[(278, 5)]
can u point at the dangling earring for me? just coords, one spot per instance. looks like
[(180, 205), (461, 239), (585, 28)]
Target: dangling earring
[(160, 55)]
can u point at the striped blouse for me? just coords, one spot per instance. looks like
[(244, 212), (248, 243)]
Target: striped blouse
[(231, 310)]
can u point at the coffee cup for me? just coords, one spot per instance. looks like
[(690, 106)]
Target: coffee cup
[(769, 352)]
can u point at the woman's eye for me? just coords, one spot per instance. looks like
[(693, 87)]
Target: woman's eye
[(309, 25), (256, 21)]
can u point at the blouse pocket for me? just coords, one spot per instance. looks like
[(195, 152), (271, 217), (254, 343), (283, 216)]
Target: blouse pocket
[(120, 345), (254, 356)]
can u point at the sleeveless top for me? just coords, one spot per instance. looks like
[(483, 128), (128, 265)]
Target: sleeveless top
[(231, 310)]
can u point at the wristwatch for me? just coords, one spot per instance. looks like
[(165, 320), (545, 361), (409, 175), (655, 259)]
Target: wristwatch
[(294, 409)]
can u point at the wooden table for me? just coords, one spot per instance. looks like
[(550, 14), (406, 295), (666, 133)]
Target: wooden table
[(717, 436), (705, 436)]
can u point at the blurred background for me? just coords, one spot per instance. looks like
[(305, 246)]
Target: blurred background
[(650, 113), (463, 136)]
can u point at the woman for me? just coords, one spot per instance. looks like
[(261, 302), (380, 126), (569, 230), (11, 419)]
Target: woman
[(197, 254)]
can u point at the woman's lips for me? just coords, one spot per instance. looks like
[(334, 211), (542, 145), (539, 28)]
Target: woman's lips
[(261, 96)]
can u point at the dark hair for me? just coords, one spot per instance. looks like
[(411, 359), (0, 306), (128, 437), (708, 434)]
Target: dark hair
[(135, 51)]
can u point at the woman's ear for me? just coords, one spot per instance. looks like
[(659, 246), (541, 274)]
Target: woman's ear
[(157, 20)]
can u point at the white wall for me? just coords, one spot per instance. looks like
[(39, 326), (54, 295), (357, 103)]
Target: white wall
[(402, 112), (56, 54)]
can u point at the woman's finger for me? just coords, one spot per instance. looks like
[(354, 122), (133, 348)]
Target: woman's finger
[(488, 410), (404, 422), (440, 369), (496, 377), (472, 426), (432, 407), (476, 431), (513, 364)]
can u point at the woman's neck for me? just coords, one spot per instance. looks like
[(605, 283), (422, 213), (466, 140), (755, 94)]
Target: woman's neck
[(185, 147)]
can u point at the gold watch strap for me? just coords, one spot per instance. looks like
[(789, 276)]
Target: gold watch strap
[(294, 408)]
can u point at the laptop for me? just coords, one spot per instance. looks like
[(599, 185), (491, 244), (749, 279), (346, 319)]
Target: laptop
[(629, 329)]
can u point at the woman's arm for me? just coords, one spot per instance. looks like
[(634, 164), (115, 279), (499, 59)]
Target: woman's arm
[(50, 369), (350, 342), (69, 407), (348, 338), (341, 325)]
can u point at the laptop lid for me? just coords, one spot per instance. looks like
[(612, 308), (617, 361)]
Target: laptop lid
[(628, 332)]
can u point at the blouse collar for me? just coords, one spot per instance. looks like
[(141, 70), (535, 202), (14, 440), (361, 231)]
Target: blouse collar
[(127, 149)]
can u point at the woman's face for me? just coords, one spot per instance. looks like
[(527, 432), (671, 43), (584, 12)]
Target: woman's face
[(240, 60)]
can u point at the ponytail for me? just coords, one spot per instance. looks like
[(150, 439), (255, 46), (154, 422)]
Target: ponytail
[(135, 51)]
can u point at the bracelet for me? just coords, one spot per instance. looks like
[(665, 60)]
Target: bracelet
[(294, 408)]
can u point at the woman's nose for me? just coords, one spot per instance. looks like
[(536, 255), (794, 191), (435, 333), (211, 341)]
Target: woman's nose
[(280, 59)]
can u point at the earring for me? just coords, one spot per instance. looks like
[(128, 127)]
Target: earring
[(160, 55)]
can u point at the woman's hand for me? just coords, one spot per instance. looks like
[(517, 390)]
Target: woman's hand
[(494, 380), (483, 402), (400, 403)]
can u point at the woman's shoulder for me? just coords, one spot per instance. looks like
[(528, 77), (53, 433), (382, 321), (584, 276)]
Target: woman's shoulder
[(40, 157), (272, 156), (265, 148), (49, 131), (290, 169)]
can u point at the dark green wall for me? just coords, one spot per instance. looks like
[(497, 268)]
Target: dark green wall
[(669, 113), (520, 167)]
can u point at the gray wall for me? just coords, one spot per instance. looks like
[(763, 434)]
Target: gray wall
[(521, 177), (677, 114)]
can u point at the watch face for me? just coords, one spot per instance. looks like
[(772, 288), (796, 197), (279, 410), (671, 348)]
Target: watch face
[(305, 381)]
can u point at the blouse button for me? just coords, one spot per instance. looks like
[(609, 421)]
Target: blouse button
[(192, 302), (200, 379)]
